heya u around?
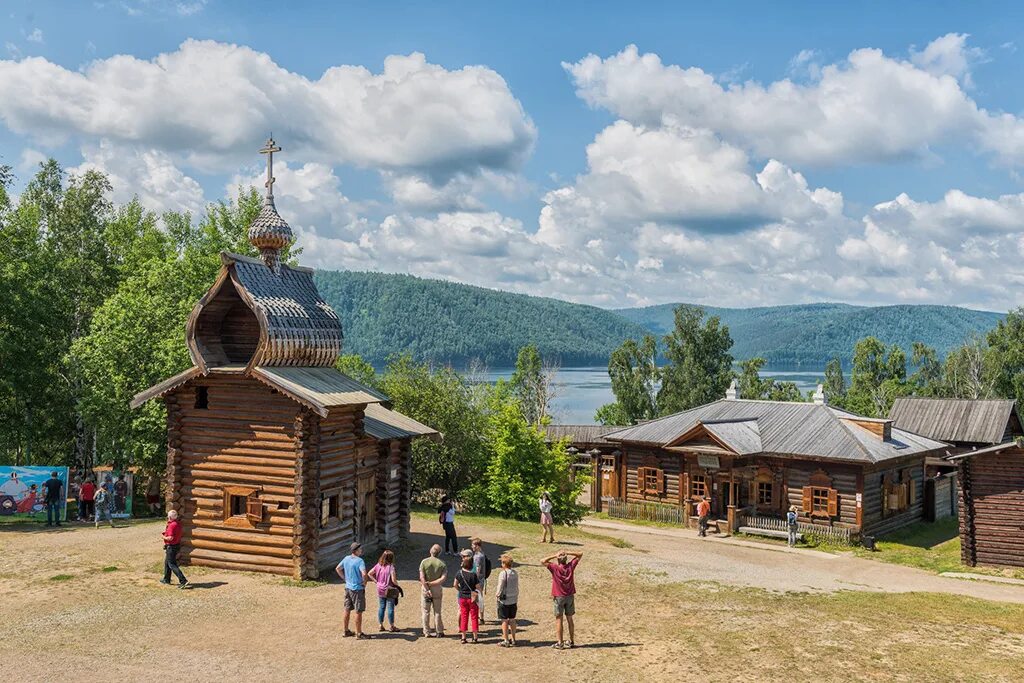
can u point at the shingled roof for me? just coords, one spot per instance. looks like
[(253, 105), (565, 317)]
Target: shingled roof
[(579, 434), (780, 428), (957, 420)]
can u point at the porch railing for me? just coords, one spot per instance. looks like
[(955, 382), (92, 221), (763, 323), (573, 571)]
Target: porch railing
[(651, 512), (833, 534)]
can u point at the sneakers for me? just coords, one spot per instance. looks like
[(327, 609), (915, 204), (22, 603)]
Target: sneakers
[(165, 582), (182, 585), (557, 646), (348, 634)]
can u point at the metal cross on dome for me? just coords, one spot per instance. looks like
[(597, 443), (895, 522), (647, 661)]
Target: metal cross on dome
[(269, 150)]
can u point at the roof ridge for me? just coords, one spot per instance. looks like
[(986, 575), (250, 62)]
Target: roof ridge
[(228, 257), (853, 436)]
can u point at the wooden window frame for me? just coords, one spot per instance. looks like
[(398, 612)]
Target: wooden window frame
[(202, 397), (254, 514), (644, 477), (698, 481), (812, 498), (332, 517), (759, 498)]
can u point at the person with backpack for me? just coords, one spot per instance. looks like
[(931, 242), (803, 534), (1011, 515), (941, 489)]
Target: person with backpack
[(467, 583), (388, 590), (446, 518), (104, 501), (508, 601), (482, 567), (791, 525)]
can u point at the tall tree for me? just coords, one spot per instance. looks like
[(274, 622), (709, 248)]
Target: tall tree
[(878, 377), (1006, 355), (634, 374), (926, 379), (971, 371), (753, 386), (699, 366), (834, 384), (533, 383)]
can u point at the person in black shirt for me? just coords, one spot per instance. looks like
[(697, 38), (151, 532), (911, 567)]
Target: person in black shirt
[(54, 491)]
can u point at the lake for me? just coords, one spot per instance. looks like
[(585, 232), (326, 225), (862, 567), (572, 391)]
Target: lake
[(580, 391)]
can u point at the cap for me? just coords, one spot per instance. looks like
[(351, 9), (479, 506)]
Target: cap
[(355, 546)]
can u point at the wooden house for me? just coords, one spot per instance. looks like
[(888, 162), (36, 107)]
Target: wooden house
[(754, 459), (991, 482), (965, 424), (276, 461), (597, 456)]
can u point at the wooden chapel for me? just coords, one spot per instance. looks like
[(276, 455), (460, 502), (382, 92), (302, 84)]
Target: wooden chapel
[(276, 461)]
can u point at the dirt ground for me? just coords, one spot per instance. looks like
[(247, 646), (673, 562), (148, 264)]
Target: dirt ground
[(79, 603)]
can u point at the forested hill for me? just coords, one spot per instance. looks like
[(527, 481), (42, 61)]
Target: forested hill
[(451, 322), (814, 333), (384, 314)]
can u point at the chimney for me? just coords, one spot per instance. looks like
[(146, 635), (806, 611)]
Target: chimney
[(732, 393), (819, 396)]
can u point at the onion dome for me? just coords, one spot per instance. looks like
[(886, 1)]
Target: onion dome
[(269, 232)]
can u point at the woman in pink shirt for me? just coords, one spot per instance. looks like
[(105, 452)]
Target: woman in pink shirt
[(383, 574)]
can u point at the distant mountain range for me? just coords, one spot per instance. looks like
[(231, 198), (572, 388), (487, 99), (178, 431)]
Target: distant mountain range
[(450, 322)]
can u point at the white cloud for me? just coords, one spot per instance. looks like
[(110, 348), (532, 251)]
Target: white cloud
[(33, 36), (867, 108), (29, 160), (213, 101)]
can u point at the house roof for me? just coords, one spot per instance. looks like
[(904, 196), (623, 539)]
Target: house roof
[(318, 388), (581, 434), (163, 387), (381, 423), (955, 419), (807, 430)]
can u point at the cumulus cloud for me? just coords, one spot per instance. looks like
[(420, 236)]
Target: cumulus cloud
[(212, 100), (869, 107)]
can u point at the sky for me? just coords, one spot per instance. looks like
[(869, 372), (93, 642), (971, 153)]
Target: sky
[(615, 154)]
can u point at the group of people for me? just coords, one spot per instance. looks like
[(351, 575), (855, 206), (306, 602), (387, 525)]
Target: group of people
[(96, 503), (470, 583)]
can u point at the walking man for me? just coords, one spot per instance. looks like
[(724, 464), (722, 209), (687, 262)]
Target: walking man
[(791, 525), (54, 495), (563, 593), (446, 515), (482, 567), (703, 513), (433, 573), (353, 570), (172, 543)]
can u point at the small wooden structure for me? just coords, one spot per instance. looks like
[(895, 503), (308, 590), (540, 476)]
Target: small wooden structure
[(992, 505), (846, 474), (600, 458), (276, 461), (965, 424)]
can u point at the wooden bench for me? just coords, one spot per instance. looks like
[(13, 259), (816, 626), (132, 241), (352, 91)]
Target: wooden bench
[(770, 533)]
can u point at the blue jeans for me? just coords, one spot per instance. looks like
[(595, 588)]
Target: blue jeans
[(389, 605), (53, 511)]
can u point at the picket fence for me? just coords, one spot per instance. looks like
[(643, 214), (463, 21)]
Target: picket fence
[(650, 512), (833, 534)]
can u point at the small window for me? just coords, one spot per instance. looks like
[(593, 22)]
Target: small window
[(242, 506), (764, 493), (202, 398), (650, 480), (330, 509), (698, 486), (237, 506), (608, 462), (819, 501)]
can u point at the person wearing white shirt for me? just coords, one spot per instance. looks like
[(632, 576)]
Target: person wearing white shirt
[(546, 520)]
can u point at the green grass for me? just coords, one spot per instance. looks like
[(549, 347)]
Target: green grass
[(109, 569), (62, 577), (304, 583)]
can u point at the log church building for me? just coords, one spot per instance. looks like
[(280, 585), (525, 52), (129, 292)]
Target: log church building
[(276, 461)]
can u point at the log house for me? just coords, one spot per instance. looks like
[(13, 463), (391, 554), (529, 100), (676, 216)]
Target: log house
[(276, 461)]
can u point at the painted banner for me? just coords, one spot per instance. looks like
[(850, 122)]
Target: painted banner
[(120, 486), (22, 493)]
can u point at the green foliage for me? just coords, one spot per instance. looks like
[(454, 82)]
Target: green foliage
[(834, 384), (612, 414), (878, 377), (353, 365), (634, 373), (532, 384), (521, 467), (449, 322), (1005, 360), (699, 366), (752, 386)]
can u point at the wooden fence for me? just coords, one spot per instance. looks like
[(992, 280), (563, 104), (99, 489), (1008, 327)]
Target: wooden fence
[(833, 534), (651, 512)]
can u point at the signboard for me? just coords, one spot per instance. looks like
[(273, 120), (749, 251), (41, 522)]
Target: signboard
[(708, 462), (22, 493), (120, 486)]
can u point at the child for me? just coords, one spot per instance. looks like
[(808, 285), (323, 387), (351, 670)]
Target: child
[(508, 599), (467, 584)]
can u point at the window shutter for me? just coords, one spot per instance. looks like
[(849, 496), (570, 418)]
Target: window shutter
[(641, 479), (808, 500), (661, 481), (911, 491), (833, 503), (254, 509)]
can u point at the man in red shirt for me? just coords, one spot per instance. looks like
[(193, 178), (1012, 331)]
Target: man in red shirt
[(172, 541), (87, 494), (703, 513), (563, 593)]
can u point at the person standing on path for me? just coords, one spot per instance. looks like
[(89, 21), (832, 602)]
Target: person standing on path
[(508, 601), (54, 497), (104, 502), (172, 543), (546, 520), (482, 567), (433, 574), (446, 515), (87, 496), (703, 513), (563, 593), (383, 574), (791, 525), (467, 583), (153, 494), (353, 570)]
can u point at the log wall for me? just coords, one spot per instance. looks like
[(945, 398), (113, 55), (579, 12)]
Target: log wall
[(876, 521), (636, 457), (844, 481), (992, 508), (338, 464), (245, 437)]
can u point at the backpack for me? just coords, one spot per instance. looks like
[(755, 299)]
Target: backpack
[(487, 567)]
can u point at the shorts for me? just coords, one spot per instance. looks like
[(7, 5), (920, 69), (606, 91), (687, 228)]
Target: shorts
[(355, 600), (545, 518), (507, 611), (565, 605)]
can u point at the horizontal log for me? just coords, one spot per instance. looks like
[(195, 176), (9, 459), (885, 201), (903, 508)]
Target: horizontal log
[(259, 549), (259, 536), (198, 451), (202, 524), (279, 485), (243, 558), (213, 442), (210, 469), (193, 459), (240, 566)]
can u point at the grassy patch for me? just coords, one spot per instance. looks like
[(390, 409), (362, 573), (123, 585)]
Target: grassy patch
[(62, 577), (109, 569), (621, 543), (304, 583)]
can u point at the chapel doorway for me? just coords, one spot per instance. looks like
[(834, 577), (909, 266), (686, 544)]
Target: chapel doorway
[(366, 508)]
